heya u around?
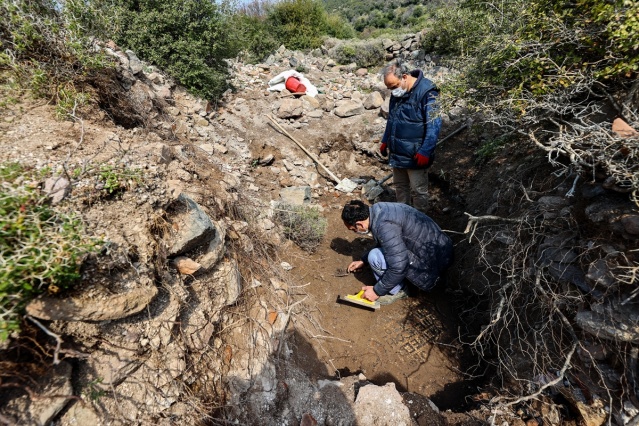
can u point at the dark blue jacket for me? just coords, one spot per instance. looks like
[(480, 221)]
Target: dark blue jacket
[(413, 245), (413, 125)]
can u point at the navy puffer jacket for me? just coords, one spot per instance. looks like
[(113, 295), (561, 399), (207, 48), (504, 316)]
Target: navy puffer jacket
[(413, 124), (413, 245)]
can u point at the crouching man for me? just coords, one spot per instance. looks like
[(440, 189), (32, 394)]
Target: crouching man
[(409, 247)]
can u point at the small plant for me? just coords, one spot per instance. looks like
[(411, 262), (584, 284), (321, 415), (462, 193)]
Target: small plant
[(68, 101), (303, 225), (76, 172), (39, 82), (118, 178), (92, 391), (40, 248), (490, 148)]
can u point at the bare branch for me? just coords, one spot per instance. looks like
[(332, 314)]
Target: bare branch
[(57, 338)]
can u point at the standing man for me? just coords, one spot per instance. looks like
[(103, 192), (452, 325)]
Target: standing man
[(411, 131), (409, 246)]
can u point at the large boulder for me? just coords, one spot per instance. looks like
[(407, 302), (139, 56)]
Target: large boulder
[(381, 405), (95, 307), (290, 108), (374, 100), (190, 228), (349, 109)]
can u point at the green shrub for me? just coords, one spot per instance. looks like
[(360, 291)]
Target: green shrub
[(364, 53), (40, 247), (600, 35), (527, 57), (338, 27), (455, 30), (44, 50), (256, 37), (298, 24), (188, 39), (302, 224), (344, 53)]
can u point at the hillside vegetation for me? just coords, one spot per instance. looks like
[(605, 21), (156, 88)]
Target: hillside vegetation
[(367, 16)]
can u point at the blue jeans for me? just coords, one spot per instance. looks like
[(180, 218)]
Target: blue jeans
[(377, 263)]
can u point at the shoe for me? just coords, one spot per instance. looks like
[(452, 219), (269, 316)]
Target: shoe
[(390, 298)]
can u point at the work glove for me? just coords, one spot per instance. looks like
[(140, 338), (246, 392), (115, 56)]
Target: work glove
[(383, 149), (422, 160)]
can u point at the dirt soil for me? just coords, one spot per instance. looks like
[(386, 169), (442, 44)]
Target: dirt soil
[(412, 342), (230, 339)]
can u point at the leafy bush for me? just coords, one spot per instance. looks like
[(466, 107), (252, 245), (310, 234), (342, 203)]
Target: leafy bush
[(189, 39), (257, 39), (263, 25), (44, 51), (344, 53), (40, 248), (364, 53), (368, 16), (455, 30), (375, 19), (528, 61), (303, 225), (338, 27), (298, 24)]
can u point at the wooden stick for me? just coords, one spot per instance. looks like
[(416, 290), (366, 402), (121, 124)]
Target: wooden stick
[(310, 154), (291, 94)]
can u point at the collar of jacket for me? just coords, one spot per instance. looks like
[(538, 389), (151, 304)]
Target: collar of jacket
[(371, 220)]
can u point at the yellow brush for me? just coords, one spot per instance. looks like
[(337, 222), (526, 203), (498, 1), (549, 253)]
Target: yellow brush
[(357, 299)]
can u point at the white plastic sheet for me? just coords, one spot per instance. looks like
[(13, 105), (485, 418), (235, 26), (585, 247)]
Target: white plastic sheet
[(278, 83)]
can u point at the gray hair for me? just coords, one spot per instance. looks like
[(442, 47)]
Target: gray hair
[(397, 68)]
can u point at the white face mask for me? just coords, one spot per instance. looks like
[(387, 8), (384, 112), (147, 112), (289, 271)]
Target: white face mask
[(398, 91)]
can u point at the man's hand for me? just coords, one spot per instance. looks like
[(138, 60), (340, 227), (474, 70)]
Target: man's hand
[(355, 266), (383, 149), (422, 160), (369, 293)]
